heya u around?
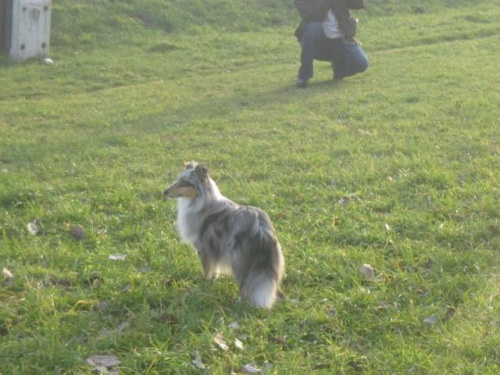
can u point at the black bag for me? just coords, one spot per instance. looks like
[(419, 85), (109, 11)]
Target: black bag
[(355, 4)]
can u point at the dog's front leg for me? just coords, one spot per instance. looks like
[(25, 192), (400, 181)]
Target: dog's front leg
[(209, 269)]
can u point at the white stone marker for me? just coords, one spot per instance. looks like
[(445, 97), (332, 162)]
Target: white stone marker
[(30, 29)]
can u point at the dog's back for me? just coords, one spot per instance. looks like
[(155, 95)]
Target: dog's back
[(243, 239)]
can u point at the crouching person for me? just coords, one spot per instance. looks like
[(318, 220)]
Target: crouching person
[(326, 33)]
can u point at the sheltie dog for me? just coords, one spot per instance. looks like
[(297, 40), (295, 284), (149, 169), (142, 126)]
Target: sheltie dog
[(228, 237)]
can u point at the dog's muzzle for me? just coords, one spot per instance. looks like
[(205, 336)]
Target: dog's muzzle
[(166, 193)]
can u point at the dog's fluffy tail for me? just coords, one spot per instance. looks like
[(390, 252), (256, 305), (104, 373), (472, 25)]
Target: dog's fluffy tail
[(257, 259), (261, 288)]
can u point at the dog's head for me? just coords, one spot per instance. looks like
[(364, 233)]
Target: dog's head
[(191, 183)]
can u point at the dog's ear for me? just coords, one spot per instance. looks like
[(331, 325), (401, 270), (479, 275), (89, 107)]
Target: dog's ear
[(201, 172), (190, 165)]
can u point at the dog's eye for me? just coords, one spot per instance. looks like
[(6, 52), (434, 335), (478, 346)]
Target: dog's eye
[(185, 183)]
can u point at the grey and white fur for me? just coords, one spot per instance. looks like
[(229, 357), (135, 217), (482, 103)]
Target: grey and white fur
[(228, 237)]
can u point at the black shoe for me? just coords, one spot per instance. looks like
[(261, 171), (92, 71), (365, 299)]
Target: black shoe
[(301, 82)]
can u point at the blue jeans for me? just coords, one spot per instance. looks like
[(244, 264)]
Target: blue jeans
[(346, 58)]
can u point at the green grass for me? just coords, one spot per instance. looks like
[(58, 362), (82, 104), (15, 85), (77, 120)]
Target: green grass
[(137, 88)]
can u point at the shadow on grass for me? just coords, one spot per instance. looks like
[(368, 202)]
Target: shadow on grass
[(313, 85)]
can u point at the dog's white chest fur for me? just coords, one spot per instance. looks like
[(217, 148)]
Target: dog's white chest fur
[(186, 231)]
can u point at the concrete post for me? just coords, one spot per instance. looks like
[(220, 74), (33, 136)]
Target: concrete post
[(30, 29)]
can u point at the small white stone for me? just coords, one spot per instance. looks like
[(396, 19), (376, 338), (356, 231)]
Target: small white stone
[(368, 271)]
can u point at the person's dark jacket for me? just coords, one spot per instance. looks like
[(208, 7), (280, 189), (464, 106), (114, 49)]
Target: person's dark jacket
[(316, 11)]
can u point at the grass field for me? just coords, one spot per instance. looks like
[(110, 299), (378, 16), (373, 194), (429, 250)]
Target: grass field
[(397, 167)]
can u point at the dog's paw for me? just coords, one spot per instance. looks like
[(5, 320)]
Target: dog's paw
[(280, 295)]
